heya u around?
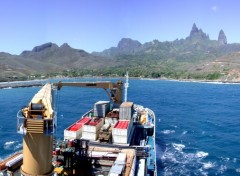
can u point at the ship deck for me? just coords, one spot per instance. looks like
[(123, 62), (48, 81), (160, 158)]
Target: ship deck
[(94, 157)]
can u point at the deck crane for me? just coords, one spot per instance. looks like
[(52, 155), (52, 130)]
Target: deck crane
[(113, 90), (37, 123)]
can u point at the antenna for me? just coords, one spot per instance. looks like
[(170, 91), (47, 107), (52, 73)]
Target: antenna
[(126, 85)]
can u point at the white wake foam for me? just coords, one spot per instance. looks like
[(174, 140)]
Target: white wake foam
[(234, 160), (201, 154), (208, 165), (181, 162), (18, 146), (222, 169), (8, 145), (12, 145), (8, 88), (184, 132), (168, 131), (178, 147)]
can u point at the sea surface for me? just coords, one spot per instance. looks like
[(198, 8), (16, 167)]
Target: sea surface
[(197, 124)]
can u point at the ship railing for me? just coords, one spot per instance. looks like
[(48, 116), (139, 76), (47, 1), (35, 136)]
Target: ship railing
[(154, 142), (20, 123), (88, 114), (49, 125)]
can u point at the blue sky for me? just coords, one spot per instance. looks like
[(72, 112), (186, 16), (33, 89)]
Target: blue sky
[(94, 25)]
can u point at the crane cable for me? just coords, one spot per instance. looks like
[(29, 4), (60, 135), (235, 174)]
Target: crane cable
[(56, 105)]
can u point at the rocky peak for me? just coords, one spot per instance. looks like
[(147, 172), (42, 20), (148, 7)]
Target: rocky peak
[(43, 47), (194, 30), (222, 39), (65, 45), (128, 44), (197, 33)]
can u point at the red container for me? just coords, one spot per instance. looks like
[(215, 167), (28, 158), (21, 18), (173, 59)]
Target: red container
[(94, 122), (122, 124), (75, 127), (83, 120)]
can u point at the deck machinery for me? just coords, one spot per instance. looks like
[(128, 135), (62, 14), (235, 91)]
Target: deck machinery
[(37, 124), (102, 155)]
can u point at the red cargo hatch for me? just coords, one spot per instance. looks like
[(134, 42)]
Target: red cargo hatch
[(122, 124), (84, 120), (75, 127), (94, 122)]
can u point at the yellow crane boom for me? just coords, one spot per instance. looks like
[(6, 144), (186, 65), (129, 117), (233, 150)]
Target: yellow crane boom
[(113, 90), (38, 124)]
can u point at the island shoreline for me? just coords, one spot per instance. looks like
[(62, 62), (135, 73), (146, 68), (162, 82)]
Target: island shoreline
[(41, 82)]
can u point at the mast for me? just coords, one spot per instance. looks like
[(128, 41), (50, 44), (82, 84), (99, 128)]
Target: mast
[(126, 85)]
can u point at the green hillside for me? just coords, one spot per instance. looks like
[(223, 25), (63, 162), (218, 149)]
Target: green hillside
[(195, 57)]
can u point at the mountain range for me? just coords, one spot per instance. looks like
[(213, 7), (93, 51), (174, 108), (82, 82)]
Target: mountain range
[(196, 56)]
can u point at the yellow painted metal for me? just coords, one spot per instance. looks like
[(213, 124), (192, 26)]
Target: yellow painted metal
[(58, 170), (113, 90), (37, 154), (43, 97), (37, 147)]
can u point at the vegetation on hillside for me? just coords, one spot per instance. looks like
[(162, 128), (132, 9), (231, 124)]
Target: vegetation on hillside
[(196, 57)]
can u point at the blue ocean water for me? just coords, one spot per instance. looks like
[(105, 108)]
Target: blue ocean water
[(197, 124)]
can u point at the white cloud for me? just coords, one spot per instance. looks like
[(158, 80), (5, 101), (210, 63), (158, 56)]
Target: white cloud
[(214, 8)]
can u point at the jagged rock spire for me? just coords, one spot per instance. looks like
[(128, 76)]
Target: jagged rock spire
[(222, 39), (197, 34), (194, 30)]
